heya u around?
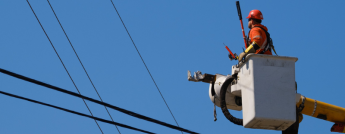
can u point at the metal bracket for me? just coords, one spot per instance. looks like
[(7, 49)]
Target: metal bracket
[(301, 106), (198, 76)]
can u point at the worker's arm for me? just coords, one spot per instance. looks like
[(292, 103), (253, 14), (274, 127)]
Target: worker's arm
[(252, 48), (257, 40)]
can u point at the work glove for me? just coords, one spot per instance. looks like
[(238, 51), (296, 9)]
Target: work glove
[(240, 57)]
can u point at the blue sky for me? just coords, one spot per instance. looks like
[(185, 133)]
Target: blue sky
[(172, 37)]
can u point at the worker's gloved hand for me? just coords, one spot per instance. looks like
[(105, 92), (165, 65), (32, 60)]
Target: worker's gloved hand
[(240, 57)]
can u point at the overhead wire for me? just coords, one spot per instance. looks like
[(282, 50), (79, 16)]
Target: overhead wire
[(144, 63), (77, 113), (62, 62), (87, 74), (95, 101)]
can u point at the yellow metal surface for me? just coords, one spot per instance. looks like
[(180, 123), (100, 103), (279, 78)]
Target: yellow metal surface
[(322, 110)]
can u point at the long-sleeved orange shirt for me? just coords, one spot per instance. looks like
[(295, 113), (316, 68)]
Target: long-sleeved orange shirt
[(259, 36)]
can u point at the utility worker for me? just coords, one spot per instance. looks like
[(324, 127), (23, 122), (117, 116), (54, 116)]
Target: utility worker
[(257, 37)]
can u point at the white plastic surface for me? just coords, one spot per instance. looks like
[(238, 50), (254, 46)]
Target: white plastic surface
[(267, 85), (229, 98), (234, 89)]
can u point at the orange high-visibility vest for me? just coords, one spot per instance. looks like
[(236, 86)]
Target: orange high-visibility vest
[(259, 36)]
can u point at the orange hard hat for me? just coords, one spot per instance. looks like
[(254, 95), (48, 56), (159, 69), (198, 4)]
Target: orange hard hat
[(255, 14)]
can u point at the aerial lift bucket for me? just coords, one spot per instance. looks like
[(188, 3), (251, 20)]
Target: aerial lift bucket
[(264, 88)]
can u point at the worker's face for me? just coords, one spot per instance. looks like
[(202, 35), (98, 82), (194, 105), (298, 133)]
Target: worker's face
[(250, 23)]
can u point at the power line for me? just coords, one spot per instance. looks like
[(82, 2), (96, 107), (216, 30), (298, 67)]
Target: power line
[(96, 101), (81, 62), (143, 62), (74, 112), (62, 62)]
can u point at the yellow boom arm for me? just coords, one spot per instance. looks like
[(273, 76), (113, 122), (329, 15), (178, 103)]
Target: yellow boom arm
[(324, 111)]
